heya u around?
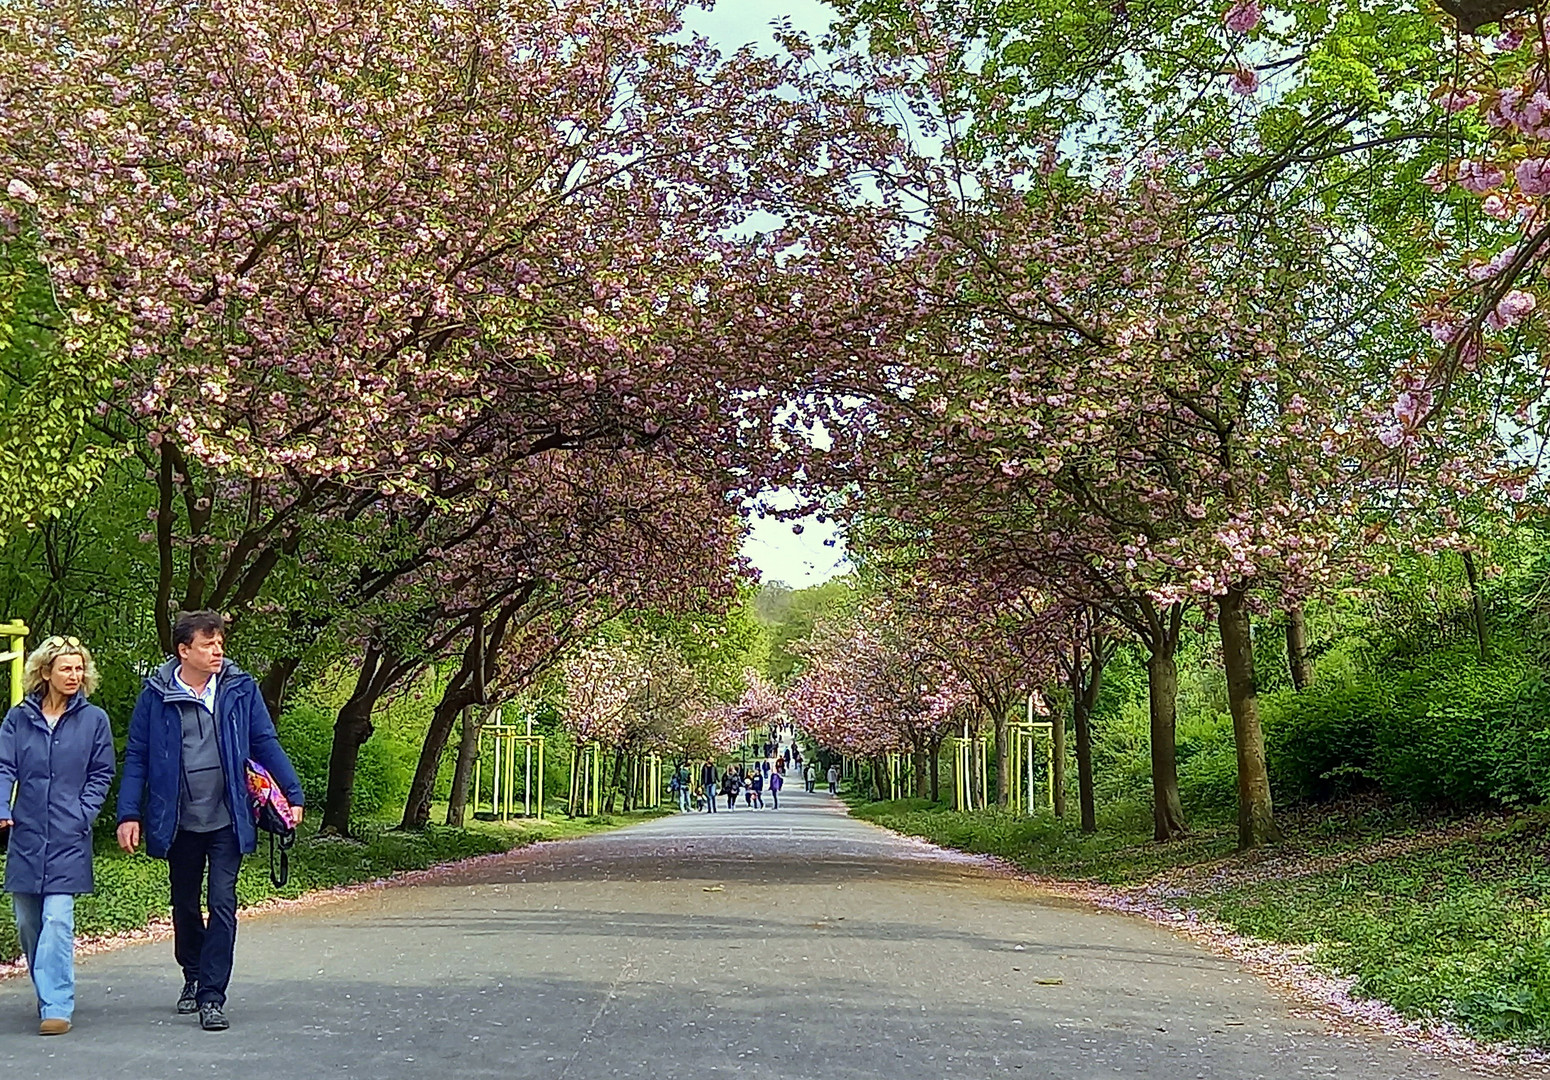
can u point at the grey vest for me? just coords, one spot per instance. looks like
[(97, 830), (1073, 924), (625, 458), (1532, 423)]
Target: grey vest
[(202, 805)]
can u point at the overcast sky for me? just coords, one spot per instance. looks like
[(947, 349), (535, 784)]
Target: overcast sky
[(779, 553)]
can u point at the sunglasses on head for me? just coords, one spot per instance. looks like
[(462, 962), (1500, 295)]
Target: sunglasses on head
[(56, 642)]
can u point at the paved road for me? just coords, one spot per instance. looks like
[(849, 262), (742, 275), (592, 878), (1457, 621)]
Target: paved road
[(794, 945)]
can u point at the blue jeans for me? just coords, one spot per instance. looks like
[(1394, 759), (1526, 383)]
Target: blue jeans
[(46, 925), (683, 799), (204, 949)]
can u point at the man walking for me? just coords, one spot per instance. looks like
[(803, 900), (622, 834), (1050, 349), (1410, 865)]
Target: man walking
[(198, 720), (834, 779), (809, 776), (709, 779)]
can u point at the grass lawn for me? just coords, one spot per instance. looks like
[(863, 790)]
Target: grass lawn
[(132, 889), (1438, 917)]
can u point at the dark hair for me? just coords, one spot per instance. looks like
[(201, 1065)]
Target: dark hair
[(191, 624)]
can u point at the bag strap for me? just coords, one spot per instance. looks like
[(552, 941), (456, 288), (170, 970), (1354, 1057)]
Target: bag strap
[(283, 843)]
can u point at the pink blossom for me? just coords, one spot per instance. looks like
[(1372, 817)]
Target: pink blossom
[(1456, 101), (1478, 177), (1243, 16), (1533, 176), (1244, 81), (1410, 405), (20, 189), (1513, 309)]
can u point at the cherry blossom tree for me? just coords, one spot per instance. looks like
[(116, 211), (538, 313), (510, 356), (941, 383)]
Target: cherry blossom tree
[(394, 252), (872, 686)]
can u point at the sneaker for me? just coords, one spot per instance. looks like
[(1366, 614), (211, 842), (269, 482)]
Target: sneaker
[(211, 1018), (188, 1002), (53, 1027)]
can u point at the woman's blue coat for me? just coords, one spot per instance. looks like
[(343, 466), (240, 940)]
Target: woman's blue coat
[(60, 779)]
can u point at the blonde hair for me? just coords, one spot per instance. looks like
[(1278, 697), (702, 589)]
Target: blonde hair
[(40, 662)]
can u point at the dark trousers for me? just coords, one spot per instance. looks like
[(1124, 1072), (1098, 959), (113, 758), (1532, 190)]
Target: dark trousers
[(204, 949)]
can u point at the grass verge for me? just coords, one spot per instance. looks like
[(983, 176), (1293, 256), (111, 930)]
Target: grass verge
[(1440, 918), (132, 889)]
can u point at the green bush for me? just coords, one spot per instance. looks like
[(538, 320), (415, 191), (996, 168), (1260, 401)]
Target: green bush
[(382, 775), (1322, 742), (1449, 730)]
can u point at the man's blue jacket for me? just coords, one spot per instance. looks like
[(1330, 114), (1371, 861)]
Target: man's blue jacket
[(153, 756)]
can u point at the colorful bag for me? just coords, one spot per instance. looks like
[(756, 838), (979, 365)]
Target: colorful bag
[(272, 814)]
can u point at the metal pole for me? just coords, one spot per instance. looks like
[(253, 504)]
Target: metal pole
[(540, 800), (511, 774), (17, 631), (527, 769), (495, 776)]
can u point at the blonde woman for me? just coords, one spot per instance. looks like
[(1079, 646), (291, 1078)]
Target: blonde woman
[(56, 762)]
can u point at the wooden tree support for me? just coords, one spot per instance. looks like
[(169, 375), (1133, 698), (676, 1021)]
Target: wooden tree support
[(17, 631), (509, 744)]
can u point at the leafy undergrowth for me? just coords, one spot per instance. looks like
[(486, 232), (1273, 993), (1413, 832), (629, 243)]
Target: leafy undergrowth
[(132, 889), (1441, 918)]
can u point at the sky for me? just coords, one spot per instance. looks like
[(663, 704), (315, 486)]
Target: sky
[(780, 553)]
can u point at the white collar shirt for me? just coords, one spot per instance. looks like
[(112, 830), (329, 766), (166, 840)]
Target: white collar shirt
[(207, 698)]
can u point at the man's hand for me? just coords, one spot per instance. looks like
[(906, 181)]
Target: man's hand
[(129, 836), (295, 816), (5, 823)]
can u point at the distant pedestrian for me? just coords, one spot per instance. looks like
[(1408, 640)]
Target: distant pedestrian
[(758, 791), (729, 786), (56, 759), (776, 783), (810, 775), (198, 720), (834, 779), (679, 786), (708, 781)]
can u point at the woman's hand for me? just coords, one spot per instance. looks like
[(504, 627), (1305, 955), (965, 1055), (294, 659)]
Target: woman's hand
[(5, 823), (295, 816)]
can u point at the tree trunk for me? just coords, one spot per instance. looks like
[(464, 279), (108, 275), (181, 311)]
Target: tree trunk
[(1256, 813), (613, 785), (936, 769), (274, 683), (351, 730), (1162, 681), (1084, 766), (1003, 764), (463, 771), (1477, 604), (918, 766), (417, 808), (1297, 648), (571, 806), (1058, 773)]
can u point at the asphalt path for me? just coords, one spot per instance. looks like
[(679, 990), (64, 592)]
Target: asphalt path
[(797, 943)]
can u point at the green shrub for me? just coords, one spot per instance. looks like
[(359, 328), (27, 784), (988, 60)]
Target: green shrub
[(1321, 742), (382, 775)]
